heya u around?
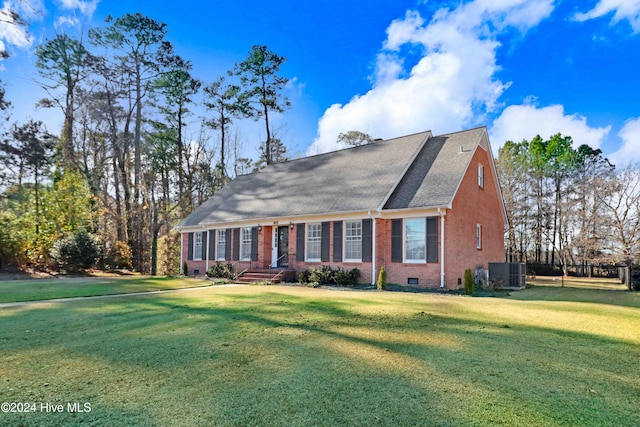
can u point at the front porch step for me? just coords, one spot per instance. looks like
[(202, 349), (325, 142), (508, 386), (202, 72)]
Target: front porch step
[(265, 275)]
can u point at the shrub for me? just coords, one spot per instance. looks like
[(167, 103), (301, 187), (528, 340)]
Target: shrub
[(220, 270), (117, 255), (382, 279), (323, 275), (346, 277), (169, 254), (75, 252), (468, 282), (303, 276), (185, 269)]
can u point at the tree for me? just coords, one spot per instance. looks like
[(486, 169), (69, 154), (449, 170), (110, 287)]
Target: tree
[(562, 161), (355, 138), (177, 87), (262, 87), (588, 218), (62, 61), (621, 199), (512, 166), (278, 154), (138, 40), (226, 104), (32, 154)]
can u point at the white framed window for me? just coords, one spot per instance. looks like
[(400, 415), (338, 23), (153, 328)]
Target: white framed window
[(221, 245), (197, 246), (353, 241), (314, 242), (415, 240), (478, 236), (480, 176), (245, 244)]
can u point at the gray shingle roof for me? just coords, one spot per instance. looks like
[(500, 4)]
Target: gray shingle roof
[(354, 179), (434, 176)]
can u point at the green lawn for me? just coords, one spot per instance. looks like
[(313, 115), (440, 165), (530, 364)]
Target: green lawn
[(287, 356), (39, 289)]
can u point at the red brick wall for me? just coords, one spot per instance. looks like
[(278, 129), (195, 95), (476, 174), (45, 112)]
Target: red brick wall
[(473, 205), (428, 274)]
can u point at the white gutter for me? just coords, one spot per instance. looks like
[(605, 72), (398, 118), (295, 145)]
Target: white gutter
[(441, 248)]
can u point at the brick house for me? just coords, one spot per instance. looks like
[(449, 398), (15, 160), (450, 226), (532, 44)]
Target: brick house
[(425, 207)]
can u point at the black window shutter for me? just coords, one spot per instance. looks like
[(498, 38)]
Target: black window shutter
[(236, 244), (204, 245), (212, 244), (227, 244), (432, 240), (254, 244), (190, 247), (396, 240), (324, 241), (300, 242), (366, 240), (337, 241)]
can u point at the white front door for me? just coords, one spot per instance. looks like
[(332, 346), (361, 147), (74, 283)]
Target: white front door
[(274, 247)]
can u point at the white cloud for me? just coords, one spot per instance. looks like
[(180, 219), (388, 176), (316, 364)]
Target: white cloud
[(84, 7), (630, 149), (11, 33), (622, 9), (66, 21), (519, 122), (450, 86)]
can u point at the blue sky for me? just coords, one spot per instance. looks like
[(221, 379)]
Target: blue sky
[(389, 68)]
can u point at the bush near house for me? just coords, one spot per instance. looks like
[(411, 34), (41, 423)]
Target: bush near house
[(325, 275), (468, 282), (220, 270), (382, 279)]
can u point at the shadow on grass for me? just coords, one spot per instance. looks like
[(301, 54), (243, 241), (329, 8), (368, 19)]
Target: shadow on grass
[(615, 295), (275, 358)]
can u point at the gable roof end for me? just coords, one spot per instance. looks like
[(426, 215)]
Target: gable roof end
[(433, 179)]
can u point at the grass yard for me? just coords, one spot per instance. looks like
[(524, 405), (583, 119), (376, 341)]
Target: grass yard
[(287, 356), (39, 289)]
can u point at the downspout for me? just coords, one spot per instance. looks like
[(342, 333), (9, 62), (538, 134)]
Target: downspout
[(441, 247), (181, 248), (206, 255), (373, 248)]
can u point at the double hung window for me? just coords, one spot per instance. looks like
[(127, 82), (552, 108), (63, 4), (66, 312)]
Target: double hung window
[(415, 240), (245, 244), (314, 242), (353, 241)]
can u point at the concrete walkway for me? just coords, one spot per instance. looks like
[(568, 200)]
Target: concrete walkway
[(56, 300)]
